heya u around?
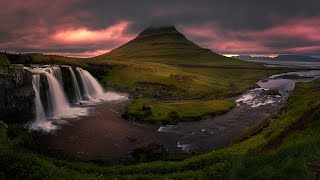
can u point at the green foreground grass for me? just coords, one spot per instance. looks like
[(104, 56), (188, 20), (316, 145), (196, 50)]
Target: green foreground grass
[(289, 148)]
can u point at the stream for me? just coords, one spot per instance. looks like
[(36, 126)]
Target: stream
[(101, 132)]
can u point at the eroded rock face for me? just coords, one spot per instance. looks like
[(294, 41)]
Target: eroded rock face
[(16, 96)]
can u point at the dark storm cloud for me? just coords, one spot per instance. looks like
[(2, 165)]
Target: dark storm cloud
[(226, 26)]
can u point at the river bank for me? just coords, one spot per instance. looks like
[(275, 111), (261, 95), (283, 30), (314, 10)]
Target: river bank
[(103, 133)]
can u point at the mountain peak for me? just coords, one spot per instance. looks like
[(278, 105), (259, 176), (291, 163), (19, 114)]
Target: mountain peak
[(164, 42), (160, 31)]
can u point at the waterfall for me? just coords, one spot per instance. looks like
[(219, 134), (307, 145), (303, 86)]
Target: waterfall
[(85, 87), (40, 114), (58, 99), (92, 88), (54, 94), (56, 72), (59, 105), (77, 93)]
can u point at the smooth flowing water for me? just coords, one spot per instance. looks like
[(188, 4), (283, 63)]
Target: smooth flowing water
[(56, 72), (78, 97), (103, 133), (92, 88), (60, 109), (58, 98), (40, 114), (252, 107)]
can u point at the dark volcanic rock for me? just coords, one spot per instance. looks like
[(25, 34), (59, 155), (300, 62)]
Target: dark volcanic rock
[(98, 70), (271, 92), (16, 95)]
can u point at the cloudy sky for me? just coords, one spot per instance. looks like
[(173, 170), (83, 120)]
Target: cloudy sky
[(87, 28)]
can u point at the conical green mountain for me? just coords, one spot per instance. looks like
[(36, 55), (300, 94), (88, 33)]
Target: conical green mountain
[(165, 44)]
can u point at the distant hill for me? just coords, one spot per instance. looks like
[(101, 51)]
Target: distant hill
[(296, 58), (166, 44), (301, 58)]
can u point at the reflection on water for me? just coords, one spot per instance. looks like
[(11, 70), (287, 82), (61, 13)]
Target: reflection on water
[(252, 107), (104, 134)]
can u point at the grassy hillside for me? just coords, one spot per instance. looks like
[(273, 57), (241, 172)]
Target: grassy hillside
[(168, 45), (162, 64), (289, 148)]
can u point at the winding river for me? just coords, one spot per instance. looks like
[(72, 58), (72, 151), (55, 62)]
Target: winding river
[(103, 133)]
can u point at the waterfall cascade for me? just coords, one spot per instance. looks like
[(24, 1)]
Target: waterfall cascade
[(40, 114), (92, 89), (78, 97), (58, 99), (56, 72), (60, 105), (81, 90)]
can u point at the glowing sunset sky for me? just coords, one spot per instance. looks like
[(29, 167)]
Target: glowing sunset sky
[(87, 28)]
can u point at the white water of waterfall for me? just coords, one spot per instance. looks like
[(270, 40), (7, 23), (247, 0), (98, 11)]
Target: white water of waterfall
[(77, 93), (40, 114), (92, 88), (85, 88), (58, 99), (59, 106), (56, 72)]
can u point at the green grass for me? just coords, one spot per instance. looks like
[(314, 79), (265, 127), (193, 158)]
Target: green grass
[(171, 112), (165, 74), (255, 158), (4, 61)]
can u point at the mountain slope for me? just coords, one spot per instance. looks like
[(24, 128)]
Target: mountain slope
[(167, 44)]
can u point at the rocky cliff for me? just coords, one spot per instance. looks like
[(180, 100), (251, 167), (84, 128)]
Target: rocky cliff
[(16, 95)]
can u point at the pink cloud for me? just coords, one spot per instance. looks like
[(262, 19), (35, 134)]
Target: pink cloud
[(85, 54), (83, 35), (90, 42), (264, 41)]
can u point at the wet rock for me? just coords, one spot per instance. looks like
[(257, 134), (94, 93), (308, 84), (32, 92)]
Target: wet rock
[(16, 95), (271, 92), (132, 138), (174, 117), (99, 70), (146, 110)]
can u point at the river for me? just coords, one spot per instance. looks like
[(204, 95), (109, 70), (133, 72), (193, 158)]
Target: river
[(103, 133)]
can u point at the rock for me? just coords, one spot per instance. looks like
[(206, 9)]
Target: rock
[(174, 117), (99, 70), (132, 138), (16, 95), (147, 110), (271, 92)]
